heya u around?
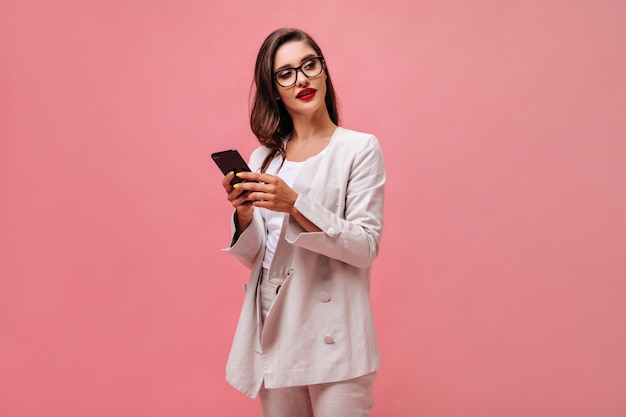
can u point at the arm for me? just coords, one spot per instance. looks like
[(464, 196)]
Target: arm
[(247, 229), (353, 239)]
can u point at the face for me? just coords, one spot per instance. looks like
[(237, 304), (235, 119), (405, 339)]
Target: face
[(307, 94)]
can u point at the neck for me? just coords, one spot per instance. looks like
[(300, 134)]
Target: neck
[(312, 127)]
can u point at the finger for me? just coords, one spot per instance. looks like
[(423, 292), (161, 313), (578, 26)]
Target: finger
[(226, 181), (255, 196), (253, 186), (256, 176), (235, 193), (268, 204), (240, 199)]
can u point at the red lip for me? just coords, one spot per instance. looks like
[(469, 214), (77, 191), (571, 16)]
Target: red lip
[(306, 94)]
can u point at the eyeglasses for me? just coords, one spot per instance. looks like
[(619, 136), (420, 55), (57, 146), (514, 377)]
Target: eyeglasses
[(311, 68)]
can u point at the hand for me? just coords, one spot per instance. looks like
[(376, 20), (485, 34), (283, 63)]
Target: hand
[(269, 191), (239, 200)]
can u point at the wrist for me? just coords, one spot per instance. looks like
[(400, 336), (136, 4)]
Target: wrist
[(294, 211), (242, 221)]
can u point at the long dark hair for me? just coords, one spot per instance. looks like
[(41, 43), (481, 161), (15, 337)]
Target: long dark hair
[(269, 119)]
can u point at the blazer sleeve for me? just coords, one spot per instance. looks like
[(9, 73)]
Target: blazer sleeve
[(249, 244), (353, 238)]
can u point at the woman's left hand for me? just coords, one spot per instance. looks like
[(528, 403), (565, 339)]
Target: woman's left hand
[(269, 191)]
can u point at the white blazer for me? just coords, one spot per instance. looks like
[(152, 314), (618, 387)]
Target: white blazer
[(320, 328)]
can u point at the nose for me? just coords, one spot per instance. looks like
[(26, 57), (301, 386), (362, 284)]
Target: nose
[(301, 79)]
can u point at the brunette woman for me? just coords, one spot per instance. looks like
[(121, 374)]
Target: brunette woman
[(307, 222)]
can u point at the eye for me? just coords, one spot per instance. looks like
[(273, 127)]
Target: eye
[(310, 64), (285, 74)]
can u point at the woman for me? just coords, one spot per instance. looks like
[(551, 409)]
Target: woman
[(307, 223)]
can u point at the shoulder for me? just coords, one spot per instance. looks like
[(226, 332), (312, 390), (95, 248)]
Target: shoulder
[(258, 156), (355, 141)]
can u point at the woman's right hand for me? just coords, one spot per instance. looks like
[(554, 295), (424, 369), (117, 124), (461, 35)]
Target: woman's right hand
[(242, 205)]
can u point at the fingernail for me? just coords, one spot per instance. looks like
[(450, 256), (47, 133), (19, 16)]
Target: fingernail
[(238, 174), (236, 186)]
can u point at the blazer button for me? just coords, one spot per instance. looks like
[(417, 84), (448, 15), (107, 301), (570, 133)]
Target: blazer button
[(329, 340), (324, 297), (332, 232)]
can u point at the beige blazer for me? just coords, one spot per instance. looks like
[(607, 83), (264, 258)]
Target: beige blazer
[(320, 328)]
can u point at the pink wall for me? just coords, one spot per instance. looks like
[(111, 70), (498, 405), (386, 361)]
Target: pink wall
[(501, 282)]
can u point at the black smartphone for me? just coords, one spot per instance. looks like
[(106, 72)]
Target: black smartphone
[(230, 160)]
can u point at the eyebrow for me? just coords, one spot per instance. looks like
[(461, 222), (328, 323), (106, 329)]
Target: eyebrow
[(305, 58)]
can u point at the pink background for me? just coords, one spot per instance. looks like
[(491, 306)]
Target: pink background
[(500, 288)]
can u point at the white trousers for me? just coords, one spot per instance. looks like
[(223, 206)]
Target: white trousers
[(351, 398), (268, 293)]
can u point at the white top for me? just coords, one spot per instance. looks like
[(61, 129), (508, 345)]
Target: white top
[(273, 219)]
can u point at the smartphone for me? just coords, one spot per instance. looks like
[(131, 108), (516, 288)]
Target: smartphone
[(230, 160)]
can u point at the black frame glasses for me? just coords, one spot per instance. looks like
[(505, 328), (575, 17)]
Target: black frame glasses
[(296, 69)]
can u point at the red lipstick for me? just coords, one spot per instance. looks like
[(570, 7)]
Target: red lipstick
[(306, 94)]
